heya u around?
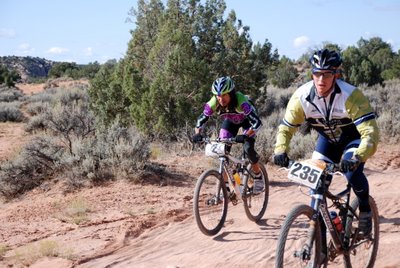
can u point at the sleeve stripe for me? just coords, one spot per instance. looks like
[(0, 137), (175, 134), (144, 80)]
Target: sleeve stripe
[(364, 118), (286, 123)]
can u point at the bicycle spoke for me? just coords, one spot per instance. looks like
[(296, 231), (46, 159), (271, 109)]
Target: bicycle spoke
[(255, 198), (210, 203), (293, 250)]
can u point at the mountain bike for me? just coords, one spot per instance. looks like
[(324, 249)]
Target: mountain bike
[(302, 242), (231, 182)]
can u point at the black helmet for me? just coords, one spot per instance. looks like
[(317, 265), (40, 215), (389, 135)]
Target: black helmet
[(325, 60)]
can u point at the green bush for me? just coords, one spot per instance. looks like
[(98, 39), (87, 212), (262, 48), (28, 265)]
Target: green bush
[(72, 146), (9, 94), (37, 161), (115, 152), (9, 111), (36, 108)]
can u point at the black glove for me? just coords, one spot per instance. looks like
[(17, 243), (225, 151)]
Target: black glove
[(281, 159), (241, 138), (197, 138), (347, 165)]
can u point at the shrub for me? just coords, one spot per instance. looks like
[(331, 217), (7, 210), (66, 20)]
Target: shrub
[(9, 94), (9, 111), (385, 101), (37, 161), (389, 125), (266, 136), (114, 152), (36, 123), (46, 96), (36, 108)]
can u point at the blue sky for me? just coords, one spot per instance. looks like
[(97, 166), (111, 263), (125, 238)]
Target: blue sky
[(85, 31)]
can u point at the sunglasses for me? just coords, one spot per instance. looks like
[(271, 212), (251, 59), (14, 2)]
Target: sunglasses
[(323, 74)]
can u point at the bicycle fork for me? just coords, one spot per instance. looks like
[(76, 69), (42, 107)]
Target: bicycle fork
[(305, 253)]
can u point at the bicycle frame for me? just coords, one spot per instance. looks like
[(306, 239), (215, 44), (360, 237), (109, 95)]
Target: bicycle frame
[(320, 208), (241, 167)]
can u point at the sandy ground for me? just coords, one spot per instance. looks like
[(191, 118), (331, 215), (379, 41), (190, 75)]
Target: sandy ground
[(127, 225)]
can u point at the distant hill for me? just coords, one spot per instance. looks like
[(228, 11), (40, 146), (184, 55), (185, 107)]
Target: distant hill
[(27, 67)]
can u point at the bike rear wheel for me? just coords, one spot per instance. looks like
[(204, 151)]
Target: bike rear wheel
[(292, 249), (255, 198), (210, 202), (363, 252)]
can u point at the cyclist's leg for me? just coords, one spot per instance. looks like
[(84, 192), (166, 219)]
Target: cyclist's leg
[(357, 178), (327, 152), (250, 151), (359, 183), (228, 130)]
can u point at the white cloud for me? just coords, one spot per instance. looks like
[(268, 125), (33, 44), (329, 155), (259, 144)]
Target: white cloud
[(57, 50), (25, 48), (88, 51), (301, 41), (7, 33)]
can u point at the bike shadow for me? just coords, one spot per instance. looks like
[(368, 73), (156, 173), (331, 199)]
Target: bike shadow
[(162, 175), (282, 183), (394, 221), (268, 229)]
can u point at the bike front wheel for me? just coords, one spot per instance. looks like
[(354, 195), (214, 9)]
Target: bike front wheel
[(293, 248), (363, 251), (210, 202), (255, 195)]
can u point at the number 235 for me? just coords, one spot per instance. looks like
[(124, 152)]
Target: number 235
[(305, 172)]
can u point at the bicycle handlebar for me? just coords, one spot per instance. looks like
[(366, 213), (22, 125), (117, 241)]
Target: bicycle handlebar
[(224, 140)]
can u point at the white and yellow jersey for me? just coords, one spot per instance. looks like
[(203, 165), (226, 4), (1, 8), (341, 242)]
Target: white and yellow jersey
[(343, 116)]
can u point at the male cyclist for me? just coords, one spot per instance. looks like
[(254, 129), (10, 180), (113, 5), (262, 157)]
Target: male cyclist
[(237, 111), (344, 120)]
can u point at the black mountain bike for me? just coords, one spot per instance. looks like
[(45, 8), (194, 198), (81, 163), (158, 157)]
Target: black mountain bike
[(300, 241), (231, 182)]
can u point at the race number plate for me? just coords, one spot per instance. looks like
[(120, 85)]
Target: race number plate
[(215, 149), (307, 172)]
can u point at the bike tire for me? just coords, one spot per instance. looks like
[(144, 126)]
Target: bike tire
[(255, 201), (210, 202), (364, 254), (293, 237)]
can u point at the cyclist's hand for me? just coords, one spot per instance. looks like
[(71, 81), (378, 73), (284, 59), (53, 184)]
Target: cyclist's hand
[(241, 138), (281, 160), (347, 165), (197, 138)]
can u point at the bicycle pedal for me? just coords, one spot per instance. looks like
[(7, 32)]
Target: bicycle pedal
[(233, 199)]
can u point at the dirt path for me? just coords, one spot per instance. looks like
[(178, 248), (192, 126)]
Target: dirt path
[(242, 243)]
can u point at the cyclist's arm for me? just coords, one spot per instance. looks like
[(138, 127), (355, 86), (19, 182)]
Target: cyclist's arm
[(294, 117), (246, 107), (209, 108), (255, 122), (363, 116)]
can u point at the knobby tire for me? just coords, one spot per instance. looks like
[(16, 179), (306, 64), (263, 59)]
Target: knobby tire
[(255, 203), (210, 218), (287, 245), (364, 255)]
